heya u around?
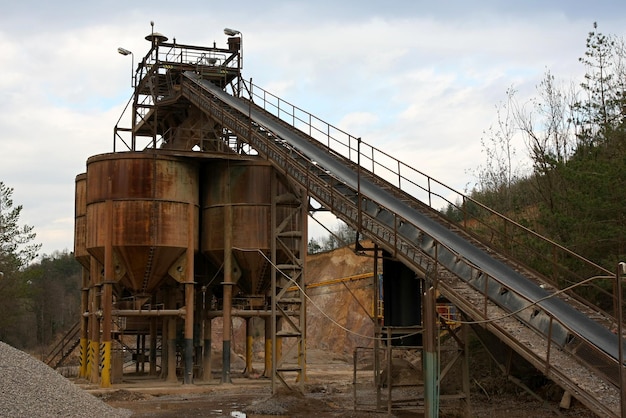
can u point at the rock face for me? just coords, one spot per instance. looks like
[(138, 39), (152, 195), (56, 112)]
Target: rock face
[(339, 312), (29, 388)]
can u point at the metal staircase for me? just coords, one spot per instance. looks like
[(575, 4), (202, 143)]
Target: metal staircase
[(64, 347), (525, 309)]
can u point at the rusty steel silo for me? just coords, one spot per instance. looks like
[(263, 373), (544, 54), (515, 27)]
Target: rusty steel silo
[(248, 210), (244, 187), (154, 200)]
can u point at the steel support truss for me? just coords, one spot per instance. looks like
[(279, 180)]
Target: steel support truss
[(288, 316)]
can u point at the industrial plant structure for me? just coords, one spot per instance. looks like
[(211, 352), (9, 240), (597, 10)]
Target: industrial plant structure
[(184, 225), (201, 212)]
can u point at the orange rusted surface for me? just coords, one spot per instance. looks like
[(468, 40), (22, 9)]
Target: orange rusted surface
[(80, 219), (245, 188), (150, 224)]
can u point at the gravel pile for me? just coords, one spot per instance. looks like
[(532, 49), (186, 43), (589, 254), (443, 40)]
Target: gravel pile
[(29, 388)]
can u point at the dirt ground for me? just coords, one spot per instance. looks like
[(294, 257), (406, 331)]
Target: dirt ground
[(329, 392)]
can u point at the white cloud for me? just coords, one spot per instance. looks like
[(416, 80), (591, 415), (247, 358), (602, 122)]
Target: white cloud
[(418, 80)]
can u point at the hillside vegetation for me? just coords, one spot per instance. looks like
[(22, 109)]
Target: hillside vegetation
[(575, 135)]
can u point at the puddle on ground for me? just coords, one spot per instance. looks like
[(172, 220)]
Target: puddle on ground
[(238, 414)]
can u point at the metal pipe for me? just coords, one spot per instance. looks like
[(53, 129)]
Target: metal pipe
[(150, 312)]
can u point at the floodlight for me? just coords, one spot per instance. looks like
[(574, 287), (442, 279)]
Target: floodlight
[(231, 32)]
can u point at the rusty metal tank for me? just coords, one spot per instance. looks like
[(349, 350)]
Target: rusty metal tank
[(246, 187), (80, 221), (154, 200)]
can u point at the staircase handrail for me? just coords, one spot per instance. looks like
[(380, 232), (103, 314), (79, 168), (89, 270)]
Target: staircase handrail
[(67, 340)]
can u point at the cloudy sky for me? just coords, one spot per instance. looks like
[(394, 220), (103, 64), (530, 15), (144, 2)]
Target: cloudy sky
[(418, 79)]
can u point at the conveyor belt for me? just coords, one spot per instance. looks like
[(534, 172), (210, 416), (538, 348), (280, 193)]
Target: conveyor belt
[(423, 232), (601, 337)]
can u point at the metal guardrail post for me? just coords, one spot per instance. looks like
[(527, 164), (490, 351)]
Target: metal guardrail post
[(358, 186), (549, 344)]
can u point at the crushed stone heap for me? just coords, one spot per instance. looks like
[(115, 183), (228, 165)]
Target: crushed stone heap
[(29, 388)]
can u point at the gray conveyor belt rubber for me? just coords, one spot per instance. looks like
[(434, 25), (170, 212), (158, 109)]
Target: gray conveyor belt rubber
[(588, 329)]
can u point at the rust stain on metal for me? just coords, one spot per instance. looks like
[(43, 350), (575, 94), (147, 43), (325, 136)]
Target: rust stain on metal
[(150, 197)]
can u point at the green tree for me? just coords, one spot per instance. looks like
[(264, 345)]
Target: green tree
[(16, 251), (16, 242), (53, 295), (314, 246), (586, 212), (601, 108), (340, 236), (576, 139)]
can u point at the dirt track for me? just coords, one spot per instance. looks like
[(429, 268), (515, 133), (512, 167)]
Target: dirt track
[(329, 388), (328, 393)]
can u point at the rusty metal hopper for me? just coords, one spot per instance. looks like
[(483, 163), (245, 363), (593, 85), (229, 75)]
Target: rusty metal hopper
[(152, 201), (245, 187)]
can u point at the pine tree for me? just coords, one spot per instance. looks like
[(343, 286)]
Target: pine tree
[(16, 251), (600, 111)]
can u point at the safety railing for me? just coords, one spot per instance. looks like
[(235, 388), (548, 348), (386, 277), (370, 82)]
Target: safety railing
[(559, 266), (154, 81), (64, 347), (315, 180), (168, 55)]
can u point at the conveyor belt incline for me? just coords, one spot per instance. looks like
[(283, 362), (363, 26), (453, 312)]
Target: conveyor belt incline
[(419, 231)]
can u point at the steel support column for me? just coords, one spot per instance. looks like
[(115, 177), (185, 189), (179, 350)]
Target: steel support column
[(189, 295), (107, 297), (93, 355), (466, 372), (249, 342), (153, 346), (228, 292), (188, 355), (84, 325), (206, 352), (288, 312), (431, 384), (171, 341), (164, 325), (267, 372)]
